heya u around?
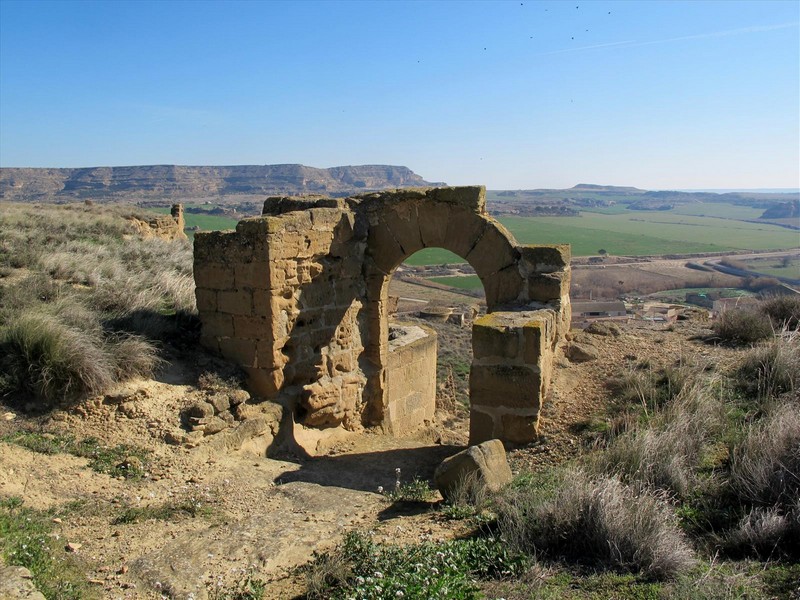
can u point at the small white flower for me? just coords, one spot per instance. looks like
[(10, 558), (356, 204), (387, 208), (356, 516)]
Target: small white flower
[(380, 489), (378, 575), (399, 593)]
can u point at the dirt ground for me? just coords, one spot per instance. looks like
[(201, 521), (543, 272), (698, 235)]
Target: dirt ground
[(269, 515)]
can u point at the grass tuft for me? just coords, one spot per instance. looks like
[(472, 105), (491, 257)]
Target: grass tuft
[(600, 520)]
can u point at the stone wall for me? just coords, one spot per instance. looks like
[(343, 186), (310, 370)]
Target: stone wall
[(510, 375), (299, 297), (410, 378), (167, 227)]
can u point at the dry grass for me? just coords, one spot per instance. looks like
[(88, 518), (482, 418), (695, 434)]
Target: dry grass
[(83, 298), (600, 520), (667, 450), (743, 326), (765, 466), (772, 369)]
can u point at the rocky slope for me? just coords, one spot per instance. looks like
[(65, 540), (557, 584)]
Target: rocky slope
[(173, 181)]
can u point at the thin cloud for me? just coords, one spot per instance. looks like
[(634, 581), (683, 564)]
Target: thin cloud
[(628, 42), (716, 34), (698, 36)]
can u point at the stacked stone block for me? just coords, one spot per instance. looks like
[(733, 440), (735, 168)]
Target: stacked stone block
[(411, 379), (510, 375)]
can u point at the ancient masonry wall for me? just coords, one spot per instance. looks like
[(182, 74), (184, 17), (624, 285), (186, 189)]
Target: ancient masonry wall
[(410, 378), (298, 298)]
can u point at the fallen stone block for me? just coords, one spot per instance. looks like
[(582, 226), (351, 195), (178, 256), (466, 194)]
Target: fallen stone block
[(485, 465)]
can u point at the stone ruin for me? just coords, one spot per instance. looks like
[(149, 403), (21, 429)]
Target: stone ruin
[(299, 298)]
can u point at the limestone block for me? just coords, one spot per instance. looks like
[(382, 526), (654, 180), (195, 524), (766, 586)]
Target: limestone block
[(578, 353), (265, 382), (269, 355), (544, 287), (516, 386), (483, 465), (402, 222), (213, 276), (464, 229), (252, 328), (211, 246), (433, 220), (537, 334), (217, 325), (470, 197), (239, 302), (493, 336), (545, 258), (494, 250), (384, 250), (504, 287), (241, 351), (481, 426), (261, 304), (520, 429), (252, 274), (289, 222), (206, 300)]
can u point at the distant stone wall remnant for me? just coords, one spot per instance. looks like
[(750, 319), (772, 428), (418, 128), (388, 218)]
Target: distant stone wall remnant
[(299, 298), (167, 227)]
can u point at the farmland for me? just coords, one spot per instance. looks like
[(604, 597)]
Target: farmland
[(202, 221), (682, 230), (688, 228)]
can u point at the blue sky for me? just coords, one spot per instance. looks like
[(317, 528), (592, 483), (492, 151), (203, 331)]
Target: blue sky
[(508, 94)]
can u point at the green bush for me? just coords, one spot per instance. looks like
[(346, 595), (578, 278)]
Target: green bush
[(668, 451), (363, 569)]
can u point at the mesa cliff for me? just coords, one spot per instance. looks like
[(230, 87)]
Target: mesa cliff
[(174, 181)]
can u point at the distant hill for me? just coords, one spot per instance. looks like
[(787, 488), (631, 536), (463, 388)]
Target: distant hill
[(181, 182)]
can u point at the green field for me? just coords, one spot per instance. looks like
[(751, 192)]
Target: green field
[(638, 233), (464, 282), (204, 222), (775, 267)]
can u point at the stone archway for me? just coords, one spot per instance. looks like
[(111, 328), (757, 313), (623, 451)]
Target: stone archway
[(298, 297)]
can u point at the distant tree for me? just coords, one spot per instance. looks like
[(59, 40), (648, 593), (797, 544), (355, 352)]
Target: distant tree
[(602, 252)]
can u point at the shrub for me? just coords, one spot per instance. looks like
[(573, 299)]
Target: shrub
[(741, 327), (668, 454), (45, 355), (765, 532), (51, 360), (765, 466), (772, 369), (783, 311), (600, 520)]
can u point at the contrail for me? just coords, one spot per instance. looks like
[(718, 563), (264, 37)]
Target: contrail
[(698, 36)]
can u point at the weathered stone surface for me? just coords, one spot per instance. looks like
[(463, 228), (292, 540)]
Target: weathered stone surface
[(17, 583), (484, 464), (198, 410), (581, 352), (298, 298), (604, 328)]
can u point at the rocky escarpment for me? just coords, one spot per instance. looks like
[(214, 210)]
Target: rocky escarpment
[(173, 181)]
